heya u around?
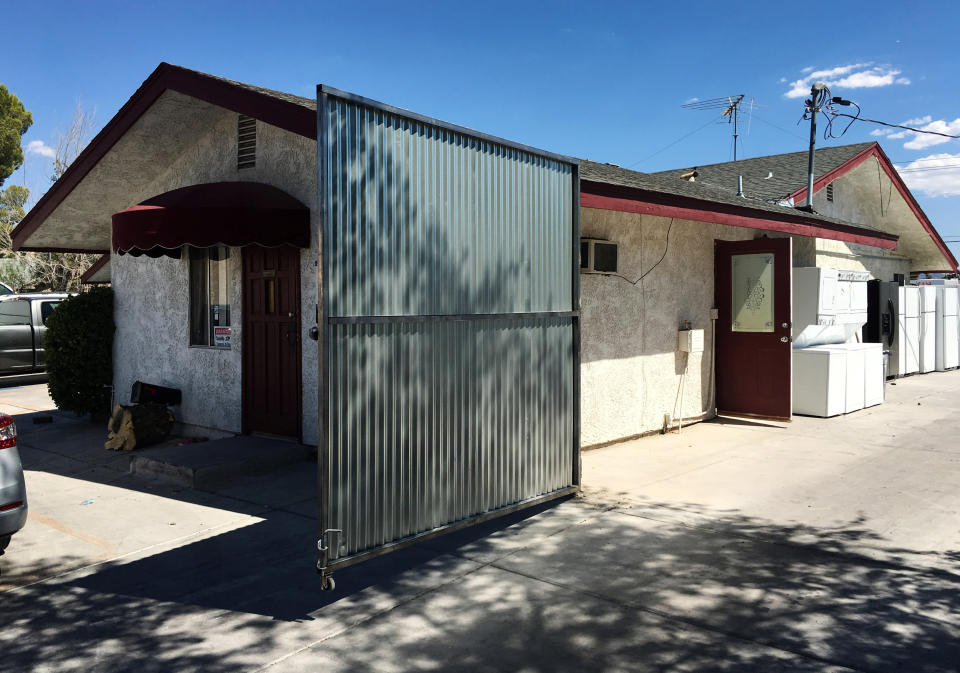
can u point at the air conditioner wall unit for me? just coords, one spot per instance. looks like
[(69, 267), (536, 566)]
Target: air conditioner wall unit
[(598, 256)]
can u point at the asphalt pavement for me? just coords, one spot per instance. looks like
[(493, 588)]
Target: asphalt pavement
[(819, 545)]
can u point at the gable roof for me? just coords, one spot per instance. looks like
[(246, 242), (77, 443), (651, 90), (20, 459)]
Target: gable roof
[(783, 177), (771, 178), (611, 187), (286, 111)]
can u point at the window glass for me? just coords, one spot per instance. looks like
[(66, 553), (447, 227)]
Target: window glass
[(15, 312), (46, 309), (209, 293), (752, 292)]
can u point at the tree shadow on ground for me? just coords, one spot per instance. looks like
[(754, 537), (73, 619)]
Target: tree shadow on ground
[(571, 587)]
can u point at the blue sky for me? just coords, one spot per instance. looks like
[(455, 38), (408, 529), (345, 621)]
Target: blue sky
[(598, 80)]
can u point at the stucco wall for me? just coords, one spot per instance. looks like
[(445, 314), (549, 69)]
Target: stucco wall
[(631, 369), (152, 320), (866, 195), (827, 253), (882, 264), (152, 314)]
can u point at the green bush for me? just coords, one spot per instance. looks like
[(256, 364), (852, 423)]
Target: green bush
[(79, 352)]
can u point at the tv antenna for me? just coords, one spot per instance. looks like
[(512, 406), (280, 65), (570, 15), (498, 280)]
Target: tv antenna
[(731, 109)]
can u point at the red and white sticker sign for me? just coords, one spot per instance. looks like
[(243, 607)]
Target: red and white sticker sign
[(221, 337)]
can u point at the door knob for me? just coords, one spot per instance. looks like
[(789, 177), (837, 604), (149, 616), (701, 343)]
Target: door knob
[(784, 339)]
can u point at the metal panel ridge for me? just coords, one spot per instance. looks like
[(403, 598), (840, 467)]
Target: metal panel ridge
[(449, 321), (439, 123), (424, 220)]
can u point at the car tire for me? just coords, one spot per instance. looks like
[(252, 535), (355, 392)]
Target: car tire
[(4, 541)]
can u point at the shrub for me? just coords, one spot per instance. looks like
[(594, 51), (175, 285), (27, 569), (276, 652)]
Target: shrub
[(79, 352)]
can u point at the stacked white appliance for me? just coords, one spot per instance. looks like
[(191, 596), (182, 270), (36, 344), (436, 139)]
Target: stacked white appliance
[(909, 330), (948, 328), (947, 321), (833, 371), (928, 328)]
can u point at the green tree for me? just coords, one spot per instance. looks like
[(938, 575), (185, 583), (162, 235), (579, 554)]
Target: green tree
[(14, 122), (12, 202)]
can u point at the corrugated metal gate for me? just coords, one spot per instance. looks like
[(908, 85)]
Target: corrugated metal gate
[(450, 333)]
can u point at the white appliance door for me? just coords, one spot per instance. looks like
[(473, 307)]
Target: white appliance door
[(843, 296), (911, 297), (872, 374), (828, 292), (911, 345), (950, 345), (950, 301), (928, 341), (855, 379)]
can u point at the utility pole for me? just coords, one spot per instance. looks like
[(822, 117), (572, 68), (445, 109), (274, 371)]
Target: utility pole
[(736, 135), (813, 107)]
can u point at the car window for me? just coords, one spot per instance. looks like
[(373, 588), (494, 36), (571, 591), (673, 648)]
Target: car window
[(15, 312), (6, 289), (46, 310)]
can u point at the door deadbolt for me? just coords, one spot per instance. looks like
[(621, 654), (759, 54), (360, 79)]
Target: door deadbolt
[(784, 339)]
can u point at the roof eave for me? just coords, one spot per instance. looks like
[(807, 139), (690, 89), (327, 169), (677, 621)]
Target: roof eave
[(91, 272), (608, 196), (284, 114)]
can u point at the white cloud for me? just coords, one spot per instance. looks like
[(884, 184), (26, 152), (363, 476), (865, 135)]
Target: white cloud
[(920, 141), (38, 147), (691, 100), (783, 80), (853, 76), (935, 175)]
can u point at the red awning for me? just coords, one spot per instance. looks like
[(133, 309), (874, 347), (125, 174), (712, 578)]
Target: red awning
[(220, 213)]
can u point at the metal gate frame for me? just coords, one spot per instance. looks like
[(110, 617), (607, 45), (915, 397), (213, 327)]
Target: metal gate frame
[(326, 533)]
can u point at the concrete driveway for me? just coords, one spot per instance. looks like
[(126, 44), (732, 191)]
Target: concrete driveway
[(823, 545)]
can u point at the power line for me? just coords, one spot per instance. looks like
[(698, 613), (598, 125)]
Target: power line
[(914, 161), (896, 126), (779, 128), (664, 149), (925, 169)]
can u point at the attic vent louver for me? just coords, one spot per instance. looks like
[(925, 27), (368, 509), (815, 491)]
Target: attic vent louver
[(246, 142), (830, 192)]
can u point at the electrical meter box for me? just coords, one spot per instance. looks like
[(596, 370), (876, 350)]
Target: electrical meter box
[(690, 340)]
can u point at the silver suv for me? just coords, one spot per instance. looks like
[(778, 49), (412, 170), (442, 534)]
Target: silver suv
[(13, 490)]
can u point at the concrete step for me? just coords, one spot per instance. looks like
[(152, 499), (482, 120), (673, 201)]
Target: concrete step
[(209, 464)]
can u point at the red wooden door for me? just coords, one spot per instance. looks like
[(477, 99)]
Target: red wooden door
[(754, 349), (271, 340)]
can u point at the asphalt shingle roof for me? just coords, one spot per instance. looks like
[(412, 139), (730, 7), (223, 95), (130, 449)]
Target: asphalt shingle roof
[(669, 183), (310, 103), (769, 178)]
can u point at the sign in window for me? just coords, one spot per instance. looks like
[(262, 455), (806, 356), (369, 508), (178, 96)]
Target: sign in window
[(210, 297)]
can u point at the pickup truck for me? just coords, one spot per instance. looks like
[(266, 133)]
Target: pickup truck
[(23, 319)]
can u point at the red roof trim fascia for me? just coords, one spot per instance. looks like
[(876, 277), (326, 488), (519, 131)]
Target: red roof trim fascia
[(96, 266), (274, 111), (630, 200), (876, 151)]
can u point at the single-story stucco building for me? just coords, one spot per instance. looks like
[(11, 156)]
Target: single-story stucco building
[(448, 316), (185, 137)]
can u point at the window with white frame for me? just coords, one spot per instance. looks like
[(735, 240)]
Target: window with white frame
[(209, 296)]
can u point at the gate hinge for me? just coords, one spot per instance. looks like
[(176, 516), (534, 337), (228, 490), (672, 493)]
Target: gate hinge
[(324, 549)]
